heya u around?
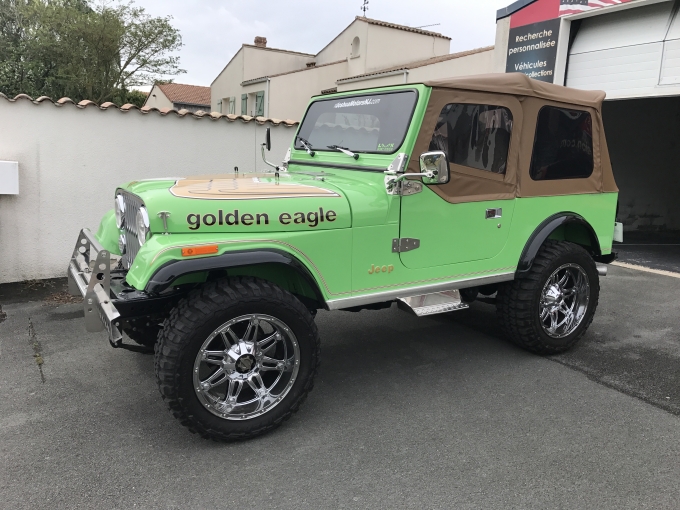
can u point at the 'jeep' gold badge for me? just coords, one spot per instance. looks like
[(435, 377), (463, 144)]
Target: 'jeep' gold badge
[(249, 188)]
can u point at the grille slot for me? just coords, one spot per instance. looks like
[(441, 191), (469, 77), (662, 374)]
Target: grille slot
[(132, 205)]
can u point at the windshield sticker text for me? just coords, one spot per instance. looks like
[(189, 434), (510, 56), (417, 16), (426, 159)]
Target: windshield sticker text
[(385, 147), (360, 102), (311, 219)]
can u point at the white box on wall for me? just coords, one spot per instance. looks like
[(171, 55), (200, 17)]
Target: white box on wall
[(9, 178)]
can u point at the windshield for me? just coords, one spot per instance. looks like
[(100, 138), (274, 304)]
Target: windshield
[(370, 123)]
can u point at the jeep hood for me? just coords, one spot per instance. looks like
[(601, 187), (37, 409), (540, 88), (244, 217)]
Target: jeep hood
[(245, 203)]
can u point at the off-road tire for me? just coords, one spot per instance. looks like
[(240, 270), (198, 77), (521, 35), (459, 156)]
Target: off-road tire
[(518, 302), (144, 334), (193, 320)]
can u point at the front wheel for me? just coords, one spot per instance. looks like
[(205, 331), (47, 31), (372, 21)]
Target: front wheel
[(548, 309), (236, 358)]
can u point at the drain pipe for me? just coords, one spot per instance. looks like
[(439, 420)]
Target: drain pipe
[(266, 112)]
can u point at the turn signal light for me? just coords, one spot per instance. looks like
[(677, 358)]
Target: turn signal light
[(199, 250)]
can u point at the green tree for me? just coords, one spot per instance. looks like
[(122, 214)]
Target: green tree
[(83, 50)]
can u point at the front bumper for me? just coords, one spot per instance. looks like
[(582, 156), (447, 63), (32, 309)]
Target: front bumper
[(89, 276)]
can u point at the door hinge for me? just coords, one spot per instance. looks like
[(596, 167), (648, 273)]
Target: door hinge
[(405, 244)]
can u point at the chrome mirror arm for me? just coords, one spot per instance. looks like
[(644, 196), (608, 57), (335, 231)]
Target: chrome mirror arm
[(276, 167), (428, 174)]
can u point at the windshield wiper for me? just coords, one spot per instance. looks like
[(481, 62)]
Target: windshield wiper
[(344, 150), (306, 145)]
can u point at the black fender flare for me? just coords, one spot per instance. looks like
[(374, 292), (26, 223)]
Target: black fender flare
[(170, 271), (545, 229)]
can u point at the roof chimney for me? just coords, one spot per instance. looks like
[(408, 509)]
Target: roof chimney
[(261, 42)]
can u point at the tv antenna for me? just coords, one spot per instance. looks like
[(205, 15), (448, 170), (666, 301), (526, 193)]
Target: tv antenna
[(365, 7)]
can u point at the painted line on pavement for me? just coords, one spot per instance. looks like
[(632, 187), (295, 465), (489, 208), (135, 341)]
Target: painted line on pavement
[(647, 269)]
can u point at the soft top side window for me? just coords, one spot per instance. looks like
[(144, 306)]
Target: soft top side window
[(563, 146), (474, 135)]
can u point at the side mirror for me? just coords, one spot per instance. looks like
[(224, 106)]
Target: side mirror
[(435, 164), (268, 139)]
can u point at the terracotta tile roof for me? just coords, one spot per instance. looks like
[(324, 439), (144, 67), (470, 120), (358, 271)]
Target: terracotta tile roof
[(420, 63), (186, 94), (147, 110), (401, 27)]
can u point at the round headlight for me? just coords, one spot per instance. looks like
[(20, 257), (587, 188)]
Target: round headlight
[(142, 225), (120, 211)]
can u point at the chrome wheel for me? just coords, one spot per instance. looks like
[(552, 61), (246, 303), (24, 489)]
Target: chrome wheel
[(564, 300), (246, 367)]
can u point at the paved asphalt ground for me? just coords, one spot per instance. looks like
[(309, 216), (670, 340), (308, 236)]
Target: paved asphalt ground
[(406, 413), (657, 250)]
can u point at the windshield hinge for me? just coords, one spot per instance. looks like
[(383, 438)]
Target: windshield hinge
[(404, 244)]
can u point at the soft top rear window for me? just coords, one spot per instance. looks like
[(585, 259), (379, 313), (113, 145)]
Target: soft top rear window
[(367, 123)]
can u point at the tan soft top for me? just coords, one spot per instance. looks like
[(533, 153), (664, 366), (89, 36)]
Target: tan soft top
[(518, 84), (524, 98)]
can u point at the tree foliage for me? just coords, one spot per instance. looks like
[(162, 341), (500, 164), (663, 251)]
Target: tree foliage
[(83, 50)]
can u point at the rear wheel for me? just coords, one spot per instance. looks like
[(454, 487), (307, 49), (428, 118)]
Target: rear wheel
[(548, 309), (236, 358)]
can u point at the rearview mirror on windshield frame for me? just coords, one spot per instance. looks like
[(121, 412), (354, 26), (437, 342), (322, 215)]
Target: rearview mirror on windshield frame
[(436, 164)]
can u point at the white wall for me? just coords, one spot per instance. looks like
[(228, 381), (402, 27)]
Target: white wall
[(260, 62), (501, 46), (71, 160), (389, 47), (341, 47), (228, 84), (289, 94), (477, 63)]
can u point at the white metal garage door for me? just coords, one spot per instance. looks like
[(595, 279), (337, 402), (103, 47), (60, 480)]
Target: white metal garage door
[(632, 53)]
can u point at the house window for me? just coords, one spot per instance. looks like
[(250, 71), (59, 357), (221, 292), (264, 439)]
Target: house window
[(244, 104), (356, 47), (474, 135), (563, 147), (232, 105), (259, 103)]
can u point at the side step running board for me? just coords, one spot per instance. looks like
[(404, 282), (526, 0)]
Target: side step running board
[(430, 304)]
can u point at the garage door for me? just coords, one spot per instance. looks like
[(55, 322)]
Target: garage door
[(632, 53)]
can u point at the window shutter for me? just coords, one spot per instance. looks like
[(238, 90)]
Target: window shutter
[(244, 104), (259, 103)]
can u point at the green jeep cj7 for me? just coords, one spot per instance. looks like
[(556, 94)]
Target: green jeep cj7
[(427, 195)]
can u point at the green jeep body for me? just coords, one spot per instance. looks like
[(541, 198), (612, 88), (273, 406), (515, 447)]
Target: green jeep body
[(339, 233)]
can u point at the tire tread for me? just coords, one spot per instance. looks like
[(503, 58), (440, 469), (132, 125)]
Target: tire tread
[(514, 303), (189, 314)]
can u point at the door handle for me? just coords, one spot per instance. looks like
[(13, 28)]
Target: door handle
[(494, 213)]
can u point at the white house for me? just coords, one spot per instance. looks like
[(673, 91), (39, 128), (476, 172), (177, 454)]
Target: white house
[(278, 83)]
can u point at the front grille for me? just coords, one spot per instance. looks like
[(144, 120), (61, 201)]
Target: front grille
[(132, 205)]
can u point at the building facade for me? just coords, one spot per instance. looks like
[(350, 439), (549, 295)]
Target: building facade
[(277, 83)]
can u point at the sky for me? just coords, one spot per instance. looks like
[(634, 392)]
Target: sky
[(213, 30)]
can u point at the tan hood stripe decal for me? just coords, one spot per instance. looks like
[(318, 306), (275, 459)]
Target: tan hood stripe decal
[(245, 188)]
